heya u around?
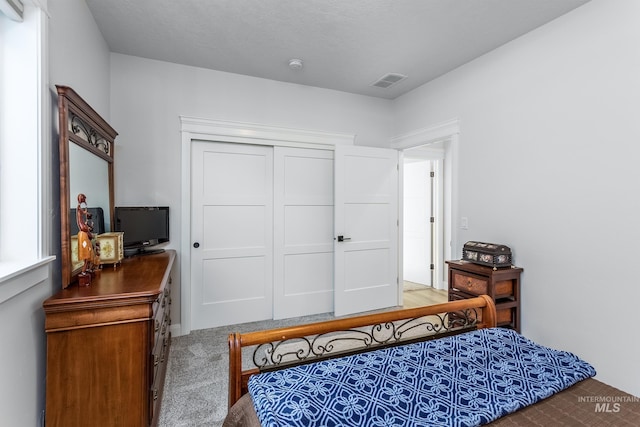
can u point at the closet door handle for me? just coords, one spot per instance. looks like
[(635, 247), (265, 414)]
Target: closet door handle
[(196, 245), (343, 239)]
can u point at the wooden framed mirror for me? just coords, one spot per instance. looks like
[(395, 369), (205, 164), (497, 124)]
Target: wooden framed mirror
[(86, 166)]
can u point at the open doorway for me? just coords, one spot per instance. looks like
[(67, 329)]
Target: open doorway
[(424, 224)]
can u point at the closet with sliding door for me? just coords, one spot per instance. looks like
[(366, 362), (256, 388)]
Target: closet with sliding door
[(262, 231)]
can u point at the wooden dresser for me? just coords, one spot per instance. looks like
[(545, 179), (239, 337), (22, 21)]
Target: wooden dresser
[(107, 346), (468, 280)]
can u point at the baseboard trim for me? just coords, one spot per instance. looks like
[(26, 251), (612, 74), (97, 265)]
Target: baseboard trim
[(176, 330)]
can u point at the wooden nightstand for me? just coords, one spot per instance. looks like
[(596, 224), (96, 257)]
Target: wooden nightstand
[(468, 280)]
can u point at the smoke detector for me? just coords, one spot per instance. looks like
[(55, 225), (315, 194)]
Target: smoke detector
[(295, 64), (389, 80)]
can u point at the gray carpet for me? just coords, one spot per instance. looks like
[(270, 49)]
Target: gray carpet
[(196, 384)]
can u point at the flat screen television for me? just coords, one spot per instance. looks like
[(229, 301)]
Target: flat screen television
[(144, 228)]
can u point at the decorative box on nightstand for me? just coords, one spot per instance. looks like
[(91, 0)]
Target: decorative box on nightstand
[(491, 254), (111, 250)]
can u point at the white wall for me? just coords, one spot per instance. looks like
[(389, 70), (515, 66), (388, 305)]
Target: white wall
[(22, 356), (148, 97), (548, 165), (78, 57)]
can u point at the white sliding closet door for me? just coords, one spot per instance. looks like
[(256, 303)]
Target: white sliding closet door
[(263, 229), (232, 227), (303, 232)]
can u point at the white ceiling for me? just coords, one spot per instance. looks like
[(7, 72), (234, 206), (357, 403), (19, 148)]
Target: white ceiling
[(346, 45)]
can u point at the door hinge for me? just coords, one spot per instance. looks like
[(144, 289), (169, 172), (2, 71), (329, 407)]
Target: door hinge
[(432, 174), (432, 219), (432, 266)]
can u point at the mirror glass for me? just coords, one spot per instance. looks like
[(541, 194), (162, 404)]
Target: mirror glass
[(86, 167), (89, 175)]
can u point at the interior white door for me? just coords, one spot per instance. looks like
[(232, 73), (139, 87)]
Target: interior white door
[(303, 232), (366, 229), (232, 234)]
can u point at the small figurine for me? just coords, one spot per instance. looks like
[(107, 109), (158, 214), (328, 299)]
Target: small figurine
[(86, 250)]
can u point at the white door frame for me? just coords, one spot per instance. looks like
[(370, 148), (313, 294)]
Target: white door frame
[(193, 129), (447, 132)]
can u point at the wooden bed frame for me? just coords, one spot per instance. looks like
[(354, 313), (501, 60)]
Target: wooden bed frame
[(284, 347)]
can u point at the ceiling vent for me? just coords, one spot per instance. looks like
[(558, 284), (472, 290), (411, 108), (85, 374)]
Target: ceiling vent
[(388, 80)]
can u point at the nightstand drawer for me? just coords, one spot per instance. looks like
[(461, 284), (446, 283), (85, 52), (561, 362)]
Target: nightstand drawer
[(470, 284), (506, 316), (503, 289)]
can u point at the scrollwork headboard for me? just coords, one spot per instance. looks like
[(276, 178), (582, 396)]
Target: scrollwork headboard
[(284, 347)]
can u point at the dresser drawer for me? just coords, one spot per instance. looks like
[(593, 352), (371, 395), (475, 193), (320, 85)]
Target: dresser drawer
[(162, 301), (159, 326), (159, 360), (160, 339), (158, 356), (162, 312), (161, 322)]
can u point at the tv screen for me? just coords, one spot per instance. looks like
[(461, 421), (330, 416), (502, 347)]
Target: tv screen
[(143, 226)]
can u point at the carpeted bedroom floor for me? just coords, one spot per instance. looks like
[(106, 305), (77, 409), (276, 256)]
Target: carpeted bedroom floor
[(196, 383)]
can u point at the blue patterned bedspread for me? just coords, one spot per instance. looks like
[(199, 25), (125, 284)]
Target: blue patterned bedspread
[(463, 380)]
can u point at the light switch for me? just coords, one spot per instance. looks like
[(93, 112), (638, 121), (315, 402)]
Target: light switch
[(464, 223)]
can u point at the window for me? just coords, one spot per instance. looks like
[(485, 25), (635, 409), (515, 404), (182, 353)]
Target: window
[(25, 135)]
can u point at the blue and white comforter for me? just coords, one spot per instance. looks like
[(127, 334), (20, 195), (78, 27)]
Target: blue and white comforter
[(463, 380)]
